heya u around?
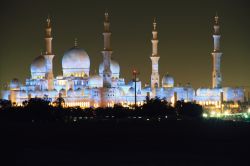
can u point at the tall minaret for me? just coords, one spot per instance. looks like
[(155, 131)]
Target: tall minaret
[(107, 51), (155, 58), (49, 55), (216, 54)]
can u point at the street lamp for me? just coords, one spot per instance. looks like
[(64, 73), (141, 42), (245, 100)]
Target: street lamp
[(135, 74)]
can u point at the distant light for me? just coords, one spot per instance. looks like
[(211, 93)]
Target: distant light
[(218, 115), (226, 112), (245, 116), (147, 119), (213, 113), (166, 116), (205, 115), (248, 110)]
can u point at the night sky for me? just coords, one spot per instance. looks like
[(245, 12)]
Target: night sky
[(185, 36)]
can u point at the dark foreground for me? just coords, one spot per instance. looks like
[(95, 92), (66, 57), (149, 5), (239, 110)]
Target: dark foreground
[(124, 143)]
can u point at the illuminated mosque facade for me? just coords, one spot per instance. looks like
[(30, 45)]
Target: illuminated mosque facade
[(79, 88)]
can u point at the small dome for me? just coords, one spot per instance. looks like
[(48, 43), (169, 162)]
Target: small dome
[(23, 93), (38, 93), (167, 81), (147, 89), (70, 92), (76, 62), (38, 66), (114, 67), (78, 92), (96, 81), (62, 92), (121, 91), (14, 84), (131, 91)]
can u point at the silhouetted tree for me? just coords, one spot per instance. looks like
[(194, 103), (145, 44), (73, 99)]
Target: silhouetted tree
[(59, 101), (156, 107), (188, 110), (39, 109), (5, 104)]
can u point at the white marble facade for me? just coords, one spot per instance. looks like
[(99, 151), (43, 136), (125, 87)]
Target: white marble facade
[(106, 88)]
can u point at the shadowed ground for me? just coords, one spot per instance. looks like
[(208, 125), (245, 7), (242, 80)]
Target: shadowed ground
[(127, 142)]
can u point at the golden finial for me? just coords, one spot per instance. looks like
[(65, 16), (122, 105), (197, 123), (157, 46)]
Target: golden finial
[(106, 16), (48, 20), (154, 24), (216, 18), (76, 43)]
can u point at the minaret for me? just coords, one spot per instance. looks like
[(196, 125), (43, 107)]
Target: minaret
[(216, 54), (49, 55), (155, 58), (107, 51)]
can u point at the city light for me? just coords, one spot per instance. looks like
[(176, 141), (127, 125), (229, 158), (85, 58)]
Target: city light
[(218, 115), (205, 115), (226, 112), (213, 113)]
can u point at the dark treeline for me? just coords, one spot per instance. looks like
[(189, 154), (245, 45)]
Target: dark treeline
[(40, 110)]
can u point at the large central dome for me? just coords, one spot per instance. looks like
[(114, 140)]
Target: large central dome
[(76, 62)]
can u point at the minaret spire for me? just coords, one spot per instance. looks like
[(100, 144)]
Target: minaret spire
[(48, 36), (216, 54), (76, 43), (154, 39), (49, 54), (155, 77), (107, 51), (48, 21), (154, 24), (106, 32)]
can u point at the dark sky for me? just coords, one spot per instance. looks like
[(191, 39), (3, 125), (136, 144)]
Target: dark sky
[(185, 29)]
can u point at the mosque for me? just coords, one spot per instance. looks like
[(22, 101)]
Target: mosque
[(79, 88)]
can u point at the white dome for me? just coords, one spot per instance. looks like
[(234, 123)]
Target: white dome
[(167, 81), (131, 91), (23, 93), (114, 67), (62, 92), (75, 62), (38, 67), (147, 89), (96, 81), (70, 93), (120, 91)]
